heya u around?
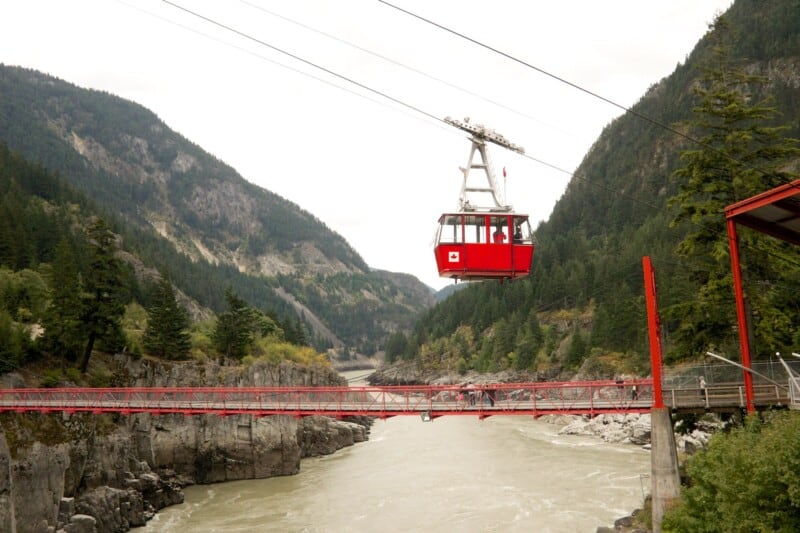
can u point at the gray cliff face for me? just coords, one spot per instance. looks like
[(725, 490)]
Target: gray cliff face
[(107, 472)]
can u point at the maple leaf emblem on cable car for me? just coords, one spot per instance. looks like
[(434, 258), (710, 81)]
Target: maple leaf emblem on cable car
[(453, 257)]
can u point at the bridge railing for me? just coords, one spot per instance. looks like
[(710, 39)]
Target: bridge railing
[(794, 393), (720, 373), (589, 397), (536, 399), (724, 395)]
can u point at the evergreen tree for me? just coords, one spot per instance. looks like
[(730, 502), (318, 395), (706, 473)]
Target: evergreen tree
[(577, 350), (396, 346), (15, 343), (235, 330), (503, 342), (102, 306), (293, 330), (529, 343), (739, 155), (62, 318), (167, 334)]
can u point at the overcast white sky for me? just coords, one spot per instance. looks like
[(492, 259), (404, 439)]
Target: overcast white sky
[(375, 171)]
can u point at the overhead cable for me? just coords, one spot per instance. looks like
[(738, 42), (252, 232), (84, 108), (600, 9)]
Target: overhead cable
[(307, 62), (541, 71), (578, 87), (419, 110), (399, 64), (259, 56)]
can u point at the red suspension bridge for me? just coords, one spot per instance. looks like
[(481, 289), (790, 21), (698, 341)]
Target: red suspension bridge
[(775, 212), (430, 401)]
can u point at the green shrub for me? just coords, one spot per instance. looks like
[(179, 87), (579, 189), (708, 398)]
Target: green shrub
[(100, 377), (52, 378), (73, 374), (746, 480)]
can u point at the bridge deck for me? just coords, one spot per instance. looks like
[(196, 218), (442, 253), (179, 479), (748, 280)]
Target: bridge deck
[(533, 399)]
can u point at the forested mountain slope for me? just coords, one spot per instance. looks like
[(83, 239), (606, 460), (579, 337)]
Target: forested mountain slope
[(584, 299), (196, 218)]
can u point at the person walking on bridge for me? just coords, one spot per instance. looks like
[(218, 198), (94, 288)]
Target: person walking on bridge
[(702, 388)]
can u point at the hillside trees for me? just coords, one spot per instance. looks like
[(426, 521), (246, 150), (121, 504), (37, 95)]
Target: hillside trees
[(167, 334), (397, 347), (235, 328), (239, 325), (21, 303), (62, 318), (64, 273), (152, 186), (738, 156), (15, 343), (102, 302)]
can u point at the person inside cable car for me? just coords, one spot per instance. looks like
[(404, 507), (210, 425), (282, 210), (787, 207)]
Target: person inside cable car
[(518, 235), (499, 237)]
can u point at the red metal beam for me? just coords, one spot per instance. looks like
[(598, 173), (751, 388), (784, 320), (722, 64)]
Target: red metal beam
[(766, 198), (654, 328), (774, 212), (741, 315)]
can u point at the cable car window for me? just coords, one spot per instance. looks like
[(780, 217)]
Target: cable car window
[(450, 229), (522, 230), (499, 229), (475, 229)]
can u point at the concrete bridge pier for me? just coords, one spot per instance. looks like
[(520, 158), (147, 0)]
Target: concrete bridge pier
[(665, 478)]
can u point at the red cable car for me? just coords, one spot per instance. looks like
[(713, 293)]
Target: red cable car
[(483, 243)]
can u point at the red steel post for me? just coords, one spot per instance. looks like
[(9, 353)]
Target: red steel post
[(654, 327), (741, 315)]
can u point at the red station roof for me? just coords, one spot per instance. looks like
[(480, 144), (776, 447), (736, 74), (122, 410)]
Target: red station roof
[(775, 212)]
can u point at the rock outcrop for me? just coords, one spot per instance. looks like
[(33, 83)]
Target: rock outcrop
[(109, 473), (626, 429)]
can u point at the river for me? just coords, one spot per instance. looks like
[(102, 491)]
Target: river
[(501, 474)]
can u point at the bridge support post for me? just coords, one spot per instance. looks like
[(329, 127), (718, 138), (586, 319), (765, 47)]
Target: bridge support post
[(741, 315), (664, 475)]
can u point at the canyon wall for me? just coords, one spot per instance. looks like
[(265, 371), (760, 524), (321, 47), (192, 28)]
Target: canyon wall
[(109, 472)]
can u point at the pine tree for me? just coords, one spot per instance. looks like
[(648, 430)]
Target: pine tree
[(738, 156), (62, 318), (395, 346), (529, 343), (102, 303), (167, 333), (577, 351), (236, 327)]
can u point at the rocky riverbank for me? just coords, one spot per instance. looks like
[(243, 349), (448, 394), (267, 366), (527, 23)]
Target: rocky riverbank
[(635, 429), (109, 473)]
